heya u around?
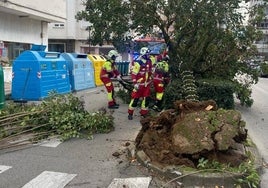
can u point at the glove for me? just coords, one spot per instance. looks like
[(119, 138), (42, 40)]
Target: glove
[(136, 86), (119, 78)]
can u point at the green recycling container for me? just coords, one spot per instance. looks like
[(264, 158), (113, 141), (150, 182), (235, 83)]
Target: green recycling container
[(2, 88)]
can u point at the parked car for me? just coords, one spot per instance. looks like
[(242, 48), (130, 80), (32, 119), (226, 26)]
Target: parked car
[(264, 69)]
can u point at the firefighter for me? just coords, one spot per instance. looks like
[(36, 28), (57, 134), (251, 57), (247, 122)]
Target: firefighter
[(108, 71), (161, 78), (141, 76)]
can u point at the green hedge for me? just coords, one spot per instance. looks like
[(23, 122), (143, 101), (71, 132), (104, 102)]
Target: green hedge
[(218, 90)]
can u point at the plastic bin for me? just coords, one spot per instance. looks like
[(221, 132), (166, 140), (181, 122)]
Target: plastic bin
[(81, 71), (37, 73), (2, 88), (123, 67), (98, 61)]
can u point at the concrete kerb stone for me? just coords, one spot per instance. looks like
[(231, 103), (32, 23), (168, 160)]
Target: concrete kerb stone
[(189, 179)]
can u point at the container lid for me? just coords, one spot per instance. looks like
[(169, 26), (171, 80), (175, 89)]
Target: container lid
[(36, 47)]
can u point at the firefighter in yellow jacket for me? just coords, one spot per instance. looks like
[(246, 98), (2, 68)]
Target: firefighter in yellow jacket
[(161, 78), (141, 77), (108, 71)]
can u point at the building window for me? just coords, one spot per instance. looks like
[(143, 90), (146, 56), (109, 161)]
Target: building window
[(58, 25), (56, 47)]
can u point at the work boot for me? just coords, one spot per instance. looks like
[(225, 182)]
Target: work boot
[(157, 105), (113, 107), (130, 117), (156, 108), (115, 104)]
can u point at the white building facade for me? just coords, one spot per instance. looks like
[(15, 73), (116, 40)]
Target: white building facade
[(25, 22), (72, 36), (262, 45)]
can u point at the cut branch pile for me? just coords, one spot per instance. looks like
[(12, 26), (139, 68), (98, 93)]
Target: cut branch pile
[(63, 116)]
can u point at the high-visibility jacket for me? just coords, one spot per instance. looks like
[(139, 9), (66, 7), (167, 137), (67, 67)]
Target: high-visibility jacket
[(141, 71), (160, 79), (141, 75), (109, 70), (161, 73)]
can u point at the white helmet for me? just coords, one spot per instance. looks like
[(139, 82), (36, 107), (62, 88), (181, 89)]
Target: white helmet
[(144, 50), (113, 54)]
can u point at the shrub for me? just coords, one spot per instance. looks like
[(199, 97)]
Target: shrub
[(218, 90)]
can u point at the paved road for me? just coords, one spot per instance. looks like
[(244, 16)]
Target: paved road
[(256, 118)]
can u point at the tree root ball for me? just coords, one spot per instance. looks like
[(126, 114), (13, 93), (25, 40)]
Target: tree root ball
[(191, 131)]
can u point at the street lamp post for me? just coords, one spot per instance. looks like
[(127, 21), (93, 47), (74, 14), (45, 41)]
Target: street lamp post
[(89, 35), (89, 39)]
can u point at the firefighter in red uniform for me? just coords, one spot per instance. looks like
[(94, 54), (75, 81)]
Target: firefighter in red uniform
[(108, 71), (160, 79), (141, 76)]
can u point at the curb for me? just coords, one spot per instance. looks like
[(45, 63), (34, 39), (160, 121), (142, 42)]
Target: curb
[(190, 179)]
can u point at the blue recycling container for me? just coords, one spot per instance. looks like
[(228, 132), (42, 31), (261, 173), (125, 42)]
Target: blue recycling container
[(81, 71), (37, 73)]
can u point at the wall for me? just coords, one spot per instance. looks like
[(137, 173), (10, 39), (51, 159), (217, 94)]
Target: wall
[(73, 29), (7, 74), (22, 30), (48, 10), (26, 21)]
